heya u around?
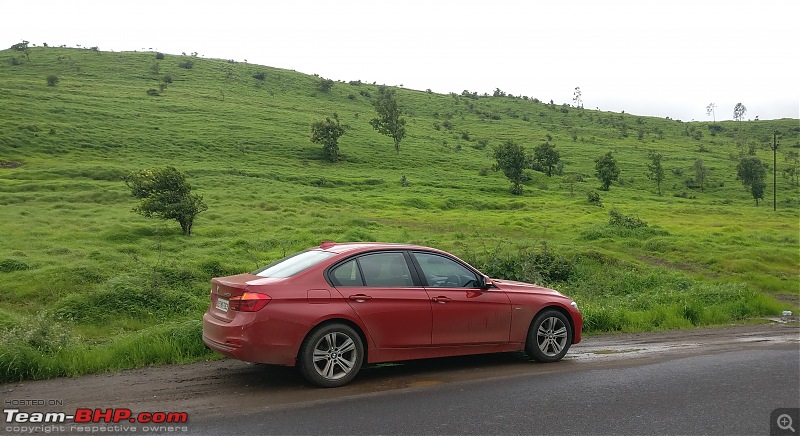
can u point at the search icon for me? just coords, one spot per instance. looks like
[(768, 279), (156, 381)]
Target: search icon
[(785, 422)]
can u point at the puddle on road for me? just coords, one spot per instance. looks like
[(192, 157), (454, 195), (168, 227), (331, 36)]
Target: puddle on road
[(632, 350), (608, 352)]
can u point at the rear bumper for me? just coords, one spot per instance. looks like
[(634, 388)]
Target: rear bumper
[(253, 339)]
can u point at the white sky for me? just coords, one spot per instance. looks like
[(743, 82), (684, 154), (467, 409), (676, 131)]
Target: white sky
[(665, 58)]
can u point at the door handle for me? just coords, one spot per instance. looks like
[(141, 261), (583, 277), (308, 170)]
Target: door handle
[(360, 298), (441, 300)]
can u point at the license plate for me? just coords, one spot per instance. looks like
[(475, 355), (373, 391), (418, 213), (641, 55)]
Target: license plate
[(222, 304)]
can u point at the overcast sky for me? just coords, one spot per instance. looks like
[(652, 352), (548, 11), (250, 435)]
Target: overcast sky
[(665, 58)]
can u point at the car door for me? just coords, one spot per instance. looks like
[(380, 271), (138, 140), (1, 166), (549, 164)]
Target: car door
[(462, 313), (390, 301)]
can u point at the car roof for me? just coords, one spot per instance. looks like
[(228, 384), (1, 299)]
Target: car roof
[(344, 247)]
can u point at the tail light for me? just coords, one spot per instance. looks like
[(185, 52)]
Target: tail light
[(249, 302)]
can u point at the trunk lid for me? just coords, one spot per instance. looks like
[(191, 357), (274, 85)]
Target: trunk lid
[(225, 288)]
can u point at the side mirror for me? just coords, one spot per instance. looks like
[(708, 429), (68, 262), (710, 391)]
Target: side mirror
[(484, 282)]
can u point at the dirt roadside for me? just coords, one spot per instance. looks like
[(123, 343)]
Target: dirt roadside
[(215, 387)]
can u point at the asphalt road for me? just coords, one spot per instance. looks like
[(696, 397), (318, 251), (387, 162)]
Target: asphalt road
[(711, 381), (728, 393)]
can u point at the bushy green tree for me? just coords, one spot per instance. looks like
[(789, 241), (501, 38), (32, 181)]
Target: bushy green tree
[(700, 173), (739, 111), (389, 122), (606, 170), (166, 194), (22, 47), (328, 133), (512, 160), (545, 158), (655, 170), (52, 80), (752, 173), (325, 85)]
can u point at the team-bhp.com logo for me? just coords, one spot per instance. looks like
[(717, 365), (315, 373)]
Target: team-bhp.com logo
[(107, 416)]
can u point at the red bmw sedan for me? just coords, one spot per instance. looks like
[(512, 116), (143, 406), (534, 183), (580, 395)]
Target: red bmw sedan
[(330, 309)]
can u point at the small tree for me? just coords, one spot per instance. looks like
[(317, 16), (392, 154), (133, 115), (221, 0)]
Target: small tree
[(576, 98), (739, 111), (752, 173), (793, 170), (389, 122), (325, 85), (545, 158), (166, 194), (655, 170), (700, 173), (328, 133), (711, 110), (512, 160), (606, 170), (52, 80), (22, 47)]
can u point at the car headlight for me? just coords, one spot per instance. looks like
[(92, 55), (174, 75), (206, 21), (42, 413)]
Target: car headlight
[(574, 304)]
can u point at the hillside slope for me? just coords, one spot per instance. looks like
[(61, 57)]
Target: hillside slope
[(95, 276)]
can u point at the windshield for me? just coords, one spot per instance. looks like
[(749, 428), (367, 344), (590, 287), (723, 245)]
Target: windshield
[(293, 264)]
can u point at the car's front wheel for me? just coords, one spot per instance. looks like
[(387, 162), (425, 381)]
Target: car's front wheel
[(331, 355), (549, 337)]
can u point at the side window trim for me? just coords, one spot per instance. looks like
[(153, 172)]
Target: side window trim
[(420, 272), (416, 278), (333, 281)]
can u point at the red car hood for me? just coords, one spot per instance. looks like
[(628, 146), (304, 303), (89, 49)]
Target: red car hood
[(512, 286)]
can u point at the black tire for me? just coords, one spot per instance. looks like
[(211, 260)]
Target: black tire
[(331, 355), (549, 337)]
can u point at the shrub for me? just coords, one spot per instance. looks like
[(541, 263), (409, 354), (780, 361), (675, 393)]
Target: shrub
[(52, 80), (167, 79), (11, 265), (530, 266), (325, 85), (159, 55), (40, 333), (260, 75), (187, 64), (616, 218), (594, 198), (153, 92)]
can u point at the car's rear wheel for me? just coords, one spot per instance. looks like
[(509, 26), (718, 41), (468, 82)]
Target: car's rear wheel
[(331, 355), (549, 337)]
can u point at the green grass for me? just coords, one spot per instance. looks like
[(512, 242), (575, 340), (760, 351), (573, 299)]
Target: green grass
[(119, 290)]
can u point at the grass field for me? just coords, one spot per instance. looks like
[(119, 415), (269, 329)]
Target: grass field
[(89, 286)]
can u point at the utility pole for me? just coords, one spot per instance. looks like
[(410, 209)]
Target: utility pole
[(774, 148)]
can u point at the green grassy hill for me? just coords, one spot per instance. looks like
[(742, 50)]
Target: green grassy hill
[(88, 285)]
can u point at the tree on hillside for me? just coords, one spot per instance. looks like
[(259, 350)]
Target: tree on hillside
[(166, 194), (328, 133), (739, 111), (545, 158), (389, 122), (793, 170), (606, 169), (700, 173), (576, 98), (654, 169), (752, 173), (22, 47), (325, 85), (711, 111), (512, 160)]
